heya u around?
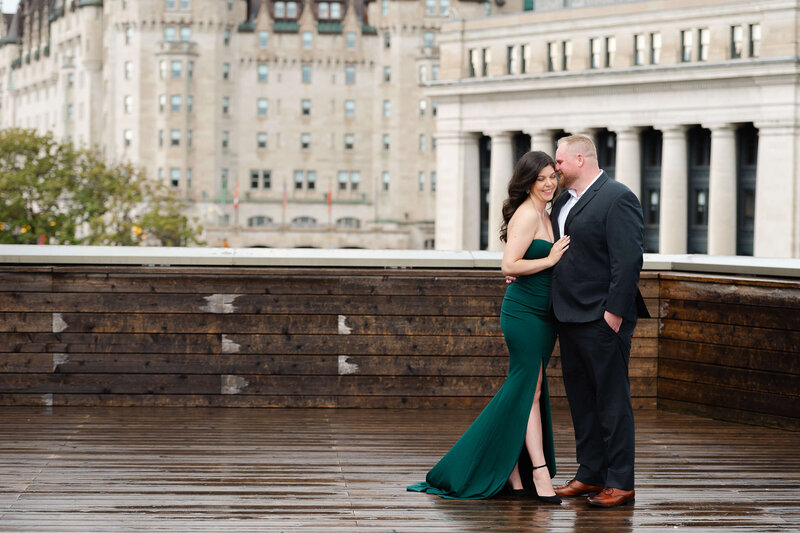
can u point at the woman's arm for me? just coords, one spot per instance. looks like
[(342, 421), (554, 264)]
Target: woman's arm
[(521, 229)]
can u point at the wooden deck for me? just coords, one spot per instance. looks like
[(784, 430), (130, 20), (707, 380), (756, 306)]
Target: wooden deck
[(313, 470)]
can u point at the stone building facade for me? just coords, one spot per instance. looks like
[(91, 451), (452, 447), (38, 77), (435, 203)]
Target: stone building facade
[(283, 123), (693, 104)]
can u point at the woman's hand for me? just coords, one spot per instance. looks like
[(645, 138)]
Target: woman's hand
[(558, 249)]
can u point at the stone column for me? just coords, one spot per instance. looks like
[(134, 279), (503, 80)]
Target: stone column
[(629, 159), (673, 223), (722, 191), (502, 166), (457, 191), (542, 140), (777, 191)]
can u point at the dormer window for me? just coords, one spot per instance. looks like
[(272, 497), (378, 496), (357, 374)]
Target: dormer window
[(285, 10), (329, 10)]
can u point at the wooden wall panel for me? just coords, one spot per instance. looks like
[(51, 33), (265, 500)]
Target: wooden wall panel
[(322, 337), (729, 347)]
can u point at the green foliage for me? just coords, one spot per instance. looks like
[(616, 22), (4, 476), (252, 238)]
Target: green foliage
[(71, 196)]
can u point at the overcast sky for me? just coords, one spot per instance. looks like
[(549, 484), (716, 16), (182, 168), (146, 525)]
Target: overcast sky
[(9, 6)]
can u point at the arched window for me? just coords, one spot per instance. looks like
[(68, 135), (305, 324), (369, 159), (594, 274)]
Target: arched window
[(304, 222), (348, 222), (253, 222)]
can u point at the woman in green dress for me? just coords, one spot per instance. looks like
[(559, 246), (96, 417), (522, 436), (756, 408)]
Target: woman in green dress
[(510, 444)]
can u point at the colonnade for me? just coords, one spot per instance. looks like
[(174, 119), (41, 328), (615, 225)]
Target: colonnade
[(776, 216)]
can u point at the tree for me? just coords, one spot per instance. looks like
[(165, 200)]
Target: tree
[(67, 195)]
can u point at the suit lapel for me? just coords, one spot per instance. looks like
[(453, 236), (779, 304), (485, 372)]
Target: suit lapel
[(585, 199)]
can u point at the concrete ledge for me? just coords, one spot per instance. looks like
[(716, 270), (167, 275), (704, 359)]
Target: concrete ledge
[(305, 257)]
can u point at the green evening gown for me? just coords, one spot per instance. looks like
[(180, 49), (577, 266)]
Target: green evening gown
[(478, 465)]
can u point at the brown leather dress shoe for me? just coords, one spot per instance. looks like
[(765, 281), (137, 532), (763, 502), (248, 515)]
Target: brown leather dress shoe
[(577, 488), (612, 497)]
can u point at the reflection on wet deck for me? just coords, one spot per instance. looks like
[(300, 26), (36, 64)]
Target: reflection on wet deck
[(164, 469)]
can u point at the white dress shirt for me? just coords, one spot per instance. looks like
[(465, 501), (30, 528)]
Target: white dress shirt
[(573, 199)]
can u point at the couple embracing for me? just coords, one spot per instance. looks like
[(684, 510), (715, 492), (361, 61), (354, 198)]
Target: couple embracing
[(573, 273)]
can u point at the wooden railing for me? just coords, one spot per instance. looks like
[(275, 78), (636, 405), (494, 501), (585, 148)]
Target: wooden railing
[(361, 328)]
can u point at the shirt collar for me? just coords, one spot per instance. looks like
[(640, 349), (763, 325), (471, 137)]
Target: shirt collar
[(577, 196)]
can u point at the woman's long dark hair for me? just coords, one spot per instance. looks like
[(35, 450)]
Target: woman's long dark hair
[(525, 173)]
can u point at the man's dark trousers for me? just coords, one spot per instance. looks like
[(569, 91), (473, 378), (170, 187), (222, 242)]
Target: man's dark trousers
[(594, 362)]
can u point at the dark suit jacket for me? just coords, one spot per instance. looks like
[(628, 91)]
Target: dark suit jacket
[(600, 271)]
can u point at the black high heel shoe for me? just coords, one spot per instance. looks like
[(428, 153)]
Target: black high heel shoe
[(555, 499)]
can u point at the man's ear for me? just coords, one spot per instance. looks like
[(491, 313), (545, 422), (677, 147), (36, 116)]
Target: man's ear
[(580, 159)]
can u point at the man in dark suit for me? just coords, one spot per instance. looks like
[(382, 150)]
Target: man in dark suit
[(596, 300)]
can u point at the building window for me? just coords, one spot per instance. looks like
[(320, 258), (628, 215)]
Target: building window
[(423, 73), (435, 72), (566, 54), (349, 74), (304, 222), (162, 102), (737, 41), (387, 74), (387, 108), (175, 103), (348, 223), (263, 39), (511, 60), (189, 138), (323, 10), (226, 37), (305, 141), (434, 109), (184, 4), (421, 182), (262, 107), (280, 10), (255, 179), (226, 137), (433, 181), (128, 70), (552, 56), (355, 179), (189, 103), (384, 7), (444, 7), (259, 221), (349, 141), (349, 108), (704, 40), (423, 106), (128, 36), (306, 71), (305, 107), (186, 34), (307, 40), (226, 105), (350, 40), (266, 179), (127, 103), (160, 138), (428, 40), (594, 57), (177, 69), (430, 7), (261, 140), (127, 137), (525, 60), (226, 71), (387, 40), (655, 48), (686, 46), (311, 180), (174, 177), (433, 143), (638, 49), (386, 142), (298, 179), (385, 181), (175, 137), (755, 40), (421, 143), (263, 73), (224, 179), (162, 69), (611, 51), (169, 34), (190, 69), (170, 4), (342, 180)]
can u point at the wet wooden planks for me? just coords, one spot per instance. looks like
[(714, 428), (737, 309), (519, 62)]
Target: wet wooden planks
[(312, 470), (329, 337), (729, 347)]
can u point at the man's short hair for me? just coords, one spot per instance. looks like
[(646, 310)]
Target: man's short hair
[(579, 144)]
